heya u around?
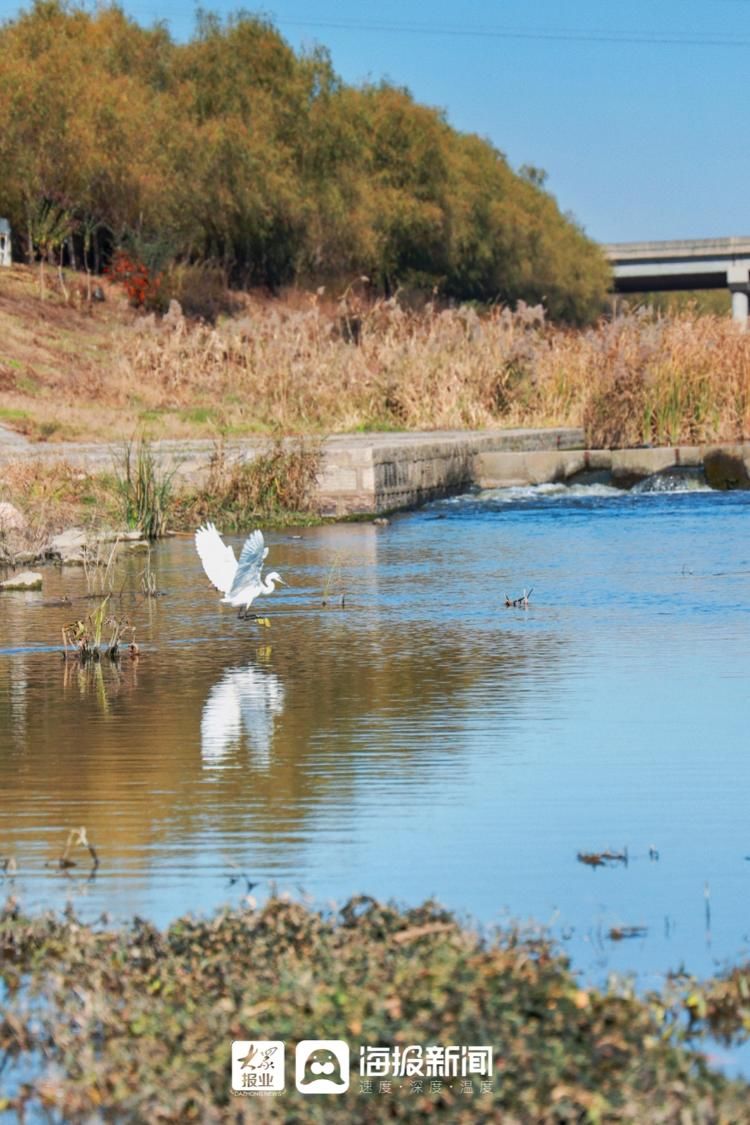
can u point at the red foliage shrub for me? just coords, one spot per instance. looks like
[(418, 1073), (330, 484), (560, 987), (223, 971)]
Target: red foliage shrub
[(141, 285)]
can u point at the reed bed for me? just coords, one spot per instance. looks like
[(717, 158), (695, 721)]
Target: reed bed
[(277, 485), (306, 364), (640, 378)]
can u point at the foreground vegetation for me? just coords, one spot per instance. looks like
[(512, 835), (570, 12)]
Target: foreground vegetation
[(311, 366), (234, 150), (136, 1024)]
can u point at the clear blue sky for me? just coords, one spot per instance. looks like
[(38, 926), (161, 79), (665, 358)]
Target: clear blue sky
[(638, 112)]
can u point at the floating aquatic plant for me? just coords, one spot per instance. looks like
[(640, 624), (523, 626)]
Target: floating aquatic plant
[(622, 933), (77, 837), (521, 602), (605, 858)]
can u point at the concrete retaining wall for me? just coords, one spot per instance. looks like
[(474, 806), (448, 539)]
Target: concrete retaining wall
[(359, 473), (371, 473)]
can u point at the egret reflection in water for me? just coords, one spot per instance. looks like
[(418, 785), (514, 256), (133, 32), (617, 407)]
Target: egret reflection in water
[(245, 701)]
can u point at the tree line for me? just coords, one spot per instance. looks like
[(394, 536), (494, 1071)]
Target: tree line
[(234, 149)]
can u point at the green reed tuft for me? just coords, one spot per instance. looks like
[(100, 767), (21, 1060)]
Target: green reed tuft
[(145, 489)]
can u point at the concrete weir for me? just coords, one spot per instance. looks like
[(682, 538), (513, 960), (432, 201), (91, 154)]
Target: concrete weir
[(375, 473), (726, 467), (384, 472)]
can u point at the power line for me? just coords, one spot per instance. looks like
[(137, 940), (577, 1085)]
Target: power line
[(559, 35), (570, 35)]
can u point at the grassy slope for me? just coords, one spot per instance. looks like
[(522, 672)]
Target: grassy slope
[(53, 355), (306, 365)]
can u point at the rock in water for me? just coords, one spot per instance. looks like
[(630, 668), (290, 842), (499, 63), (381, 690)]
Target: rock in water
[(26, 580), (71, 540), (10, 518), (69, 546), (726, 468)]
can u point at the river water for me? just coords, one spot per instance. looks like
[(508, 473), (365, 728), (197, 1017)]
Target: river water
[(423, 739)]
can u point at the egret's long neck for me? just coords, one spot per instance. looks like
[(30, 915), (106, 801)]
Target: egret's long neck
[(269, 585)]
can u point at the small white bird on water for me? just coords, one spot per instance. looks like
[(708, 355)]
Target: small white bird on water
[(239, 582)]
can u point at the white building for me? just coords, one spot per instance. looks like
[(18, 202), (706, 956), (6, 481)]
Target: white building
[(5, 258)]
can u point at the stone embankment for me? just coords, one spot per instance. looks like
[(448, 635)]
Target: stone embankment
[(374, 473)]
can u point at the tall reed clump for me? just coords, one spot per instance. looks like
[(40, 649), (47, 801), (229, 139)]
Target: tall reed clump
[(273, 485), (145, 490), (641, 377), (281, 369), (664, 380)]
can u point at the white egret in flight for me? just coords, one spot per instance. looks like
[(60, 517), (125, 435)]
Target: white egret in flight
[(239, 582)]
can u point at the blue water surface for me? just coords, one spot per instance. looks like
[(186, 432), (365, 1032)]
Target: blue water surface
[(421, 740)]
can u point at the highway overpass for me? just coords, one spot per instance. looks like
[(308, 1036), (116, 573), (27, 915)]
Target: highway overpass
[(701, 263)]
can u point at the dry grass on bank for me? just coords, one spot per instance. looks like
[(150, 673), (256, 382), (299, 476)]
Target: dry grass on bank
[(55, 355), (297, 366), (637, 379), (277, 486), (51, 499)]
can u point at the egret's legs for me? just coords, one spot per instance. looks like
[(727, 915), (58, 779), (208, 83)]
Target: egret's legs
[(245, 615)]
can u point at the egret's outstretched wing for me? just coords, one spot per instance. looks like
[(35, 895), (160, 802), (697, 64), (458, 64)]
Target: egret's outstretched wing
[(250, 564), (218, 559)]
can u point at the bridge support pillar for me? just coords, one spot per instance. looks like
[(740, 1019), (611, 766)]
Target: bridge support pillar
[(740, 304), (738, 281)]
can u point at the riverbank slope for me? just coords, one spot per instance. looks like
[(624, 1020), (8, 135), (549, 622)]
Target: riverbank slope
[(78, 369)]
